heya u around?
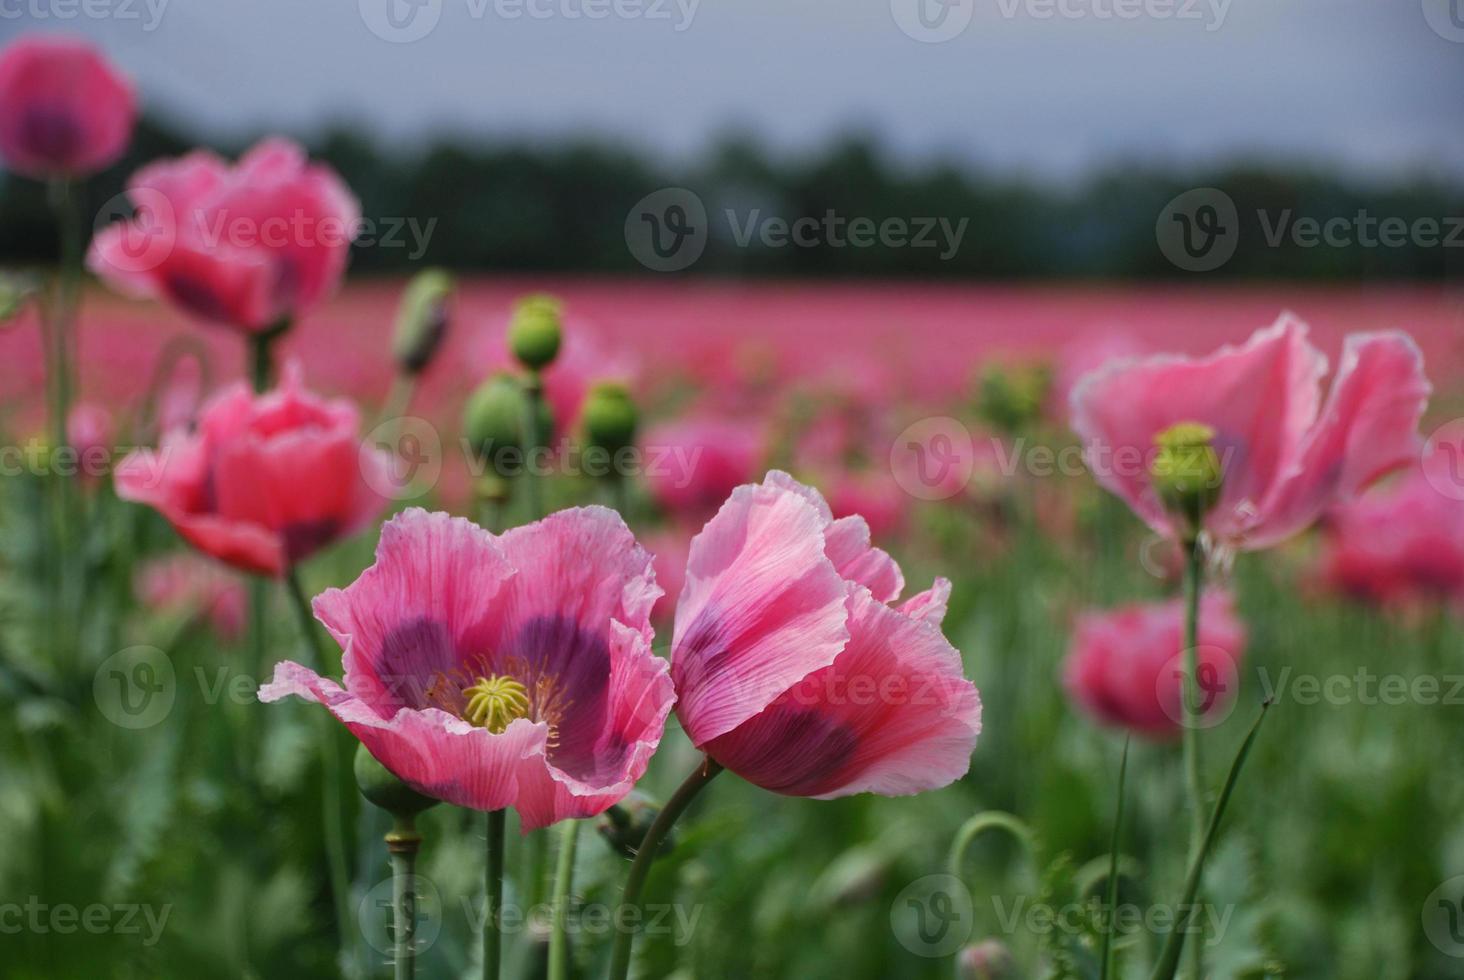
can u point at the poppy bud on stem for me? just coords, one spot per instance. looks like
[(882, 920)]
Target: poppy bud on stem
[(610, 421), (382, 788), (534, 336), (421, 327)]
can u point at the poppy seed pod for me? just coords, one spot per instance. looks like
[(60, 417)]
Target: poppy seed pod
[(534, 333), (1187, 472), (625, 824), (382, 788), (422, 320), (493, 419), (610, 418)]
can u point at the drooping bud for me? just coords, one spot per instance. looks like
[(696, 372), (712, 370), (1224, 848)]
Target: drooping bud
[(987, 960), (624, 825), (1186, 472), (534, 333), (382, 788), (610, 417), (1009, 398), (422, 319)]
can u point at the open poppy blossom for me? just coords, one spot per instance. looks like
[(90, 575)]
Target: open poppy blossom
[(496, 671), (248, 246), (65, 110), (264, 481), (1283, 455), (795, 669), (1125, 665)]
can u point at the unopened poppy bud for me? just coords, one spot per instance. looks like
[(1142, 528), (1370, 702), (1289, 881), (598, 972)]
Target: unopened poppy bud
[(610, 417), (1186, 472), (422, 320), (1009, 398), (987, 960), (624, 825), (534, 333), (382, 788)]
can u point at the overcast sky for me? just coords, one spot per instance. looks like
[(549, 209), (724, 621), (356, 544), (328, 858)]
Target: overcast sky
[(1049, 87)]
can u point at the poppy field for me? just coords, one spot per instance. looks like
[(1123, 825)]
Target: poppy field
[(467, 625)]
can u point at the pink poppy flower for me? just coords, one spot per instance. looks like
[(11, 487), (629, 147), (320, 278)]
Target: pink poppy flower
[(1125, 665), (265, 480), (187, 583), (795, 669), (496, 671), (1399, 545), (248, 246), (670, 547), (693, 464), (1285, 455), (65, 110)]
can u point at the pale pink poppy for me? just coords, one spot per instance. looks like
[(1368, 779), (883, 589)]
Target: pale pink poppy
[(264, 481), (249, 246), (190, 584), (65, 110), (1125, 665), (1285, 455), (796, 667), (495, 671), (692, 464)]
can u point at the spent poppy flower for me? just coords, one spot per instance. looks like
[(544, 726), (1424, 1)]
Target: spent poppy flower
[(263, 481), (694, 463), (65, 110), (1283, 455), (1125, 665), (492, 671), (795, 670), (189, 583), (249, 246)]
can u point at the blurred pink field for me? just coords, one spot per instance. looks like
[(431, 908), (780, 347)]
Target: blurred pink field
[(910, 343)]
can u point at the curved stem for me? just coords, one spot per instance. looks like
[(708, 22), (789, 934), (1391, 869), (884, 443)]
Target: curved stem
[(1193, 578), (332, 815), (645, 856), (979, 824), (402, 843), (563, 875), (493, 905)]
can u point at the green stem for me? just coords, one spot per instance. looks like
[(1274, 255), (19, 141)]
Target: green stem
[(979, 824), (1105, 965), (399, 398), (533, 491), (402, 844), (332, 811), (59, 339), (563, 876), (493, 904), (1190, 699), (645, 856)]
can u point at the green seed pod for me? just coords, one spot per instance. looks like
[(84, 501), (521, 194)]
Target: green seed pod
[(493, 418), (534, 333), (421, 323), (382, 788), (610, 417), (1186, 473)]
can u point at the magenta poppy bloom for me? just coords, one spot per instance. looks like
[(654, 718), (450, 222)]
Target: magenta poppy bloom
[(185, 583), (264, 481), (65, 110), (495, 671), (1285, 455), (795, 667), (1125, 665), (248, 246), (693, 464)]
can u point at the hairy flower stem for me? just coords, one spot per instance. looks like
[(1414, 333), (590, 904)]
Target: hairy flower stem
[(57, 343), (493, 903), (645, 856), (402, 844), (563, 876), (332, 816), (533, 411), (1193, 580)]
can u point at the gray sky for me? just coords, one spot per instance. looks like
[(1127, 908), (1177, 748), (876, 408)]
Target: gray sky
[(1048, 87)]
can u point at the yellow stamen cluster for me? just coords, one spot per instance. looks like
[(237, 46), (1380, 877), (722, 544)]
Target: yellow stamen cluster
[(494, 702)]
